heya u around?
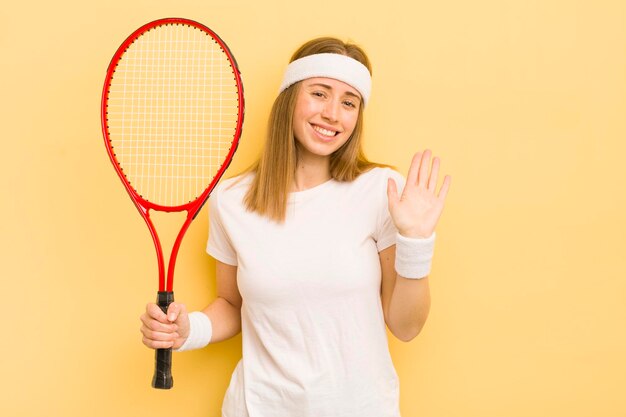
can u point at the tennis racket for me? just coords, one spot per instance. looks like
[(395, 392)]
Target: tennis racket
[(172, 112)]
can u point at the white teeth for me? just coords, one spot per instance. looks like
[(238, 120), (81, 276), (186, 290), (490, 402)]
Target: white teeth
[(324, 131)]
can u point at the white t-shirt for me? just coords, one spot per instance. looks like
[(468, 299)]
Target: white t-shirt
[(313, 331)]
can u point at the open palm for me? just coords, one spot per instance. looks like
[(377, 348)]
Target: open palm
[(416, 212)]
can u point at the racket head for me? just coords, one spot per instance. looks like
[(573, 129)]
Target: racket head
[(172, 112)]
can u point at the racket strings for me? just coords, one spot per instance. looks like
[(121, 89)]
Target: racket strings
[(172, 113)]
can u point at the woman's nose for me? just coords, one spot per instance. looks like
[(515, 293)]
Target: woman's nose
[(330, 110)]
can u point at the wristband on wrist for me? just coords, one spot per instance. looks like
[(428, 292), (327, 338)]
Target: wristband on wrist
[(200, 332), (414, 256)]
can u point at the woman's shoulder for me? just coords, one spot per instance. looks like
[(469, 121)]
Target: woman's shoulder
[(233, 184), (380, 174), (372, 183), (233, 188)]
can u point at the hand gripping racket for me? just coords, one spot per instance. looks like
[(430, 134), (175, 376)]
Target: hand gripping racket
[(172, 111)]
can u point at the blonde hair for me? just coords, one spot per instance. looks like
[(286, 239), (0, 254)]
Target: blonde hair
[(275, 169)]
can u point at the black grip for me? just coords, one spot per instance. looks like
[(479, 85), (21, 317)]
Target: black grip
[(163, 357)]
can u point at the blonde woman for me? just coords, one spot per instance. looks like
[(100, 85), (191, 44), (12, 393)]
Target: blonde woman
[(318, 250)]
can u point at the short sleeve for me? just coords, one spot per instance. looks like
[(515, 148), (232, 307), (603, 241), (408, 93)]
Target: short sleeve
[(385, 229), (219, 245)]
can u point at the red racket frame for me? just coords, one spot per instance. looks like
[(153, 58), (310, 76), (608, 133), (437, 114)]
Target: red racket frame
[(193, 207), (162, 376)]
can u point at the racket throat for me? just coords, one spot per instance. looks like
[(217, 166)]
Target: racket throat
[(169, 284)]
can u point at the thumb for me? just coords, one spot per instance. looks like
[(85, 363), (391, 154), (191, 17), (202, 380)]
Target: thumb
[(175, 310), (392, 193)]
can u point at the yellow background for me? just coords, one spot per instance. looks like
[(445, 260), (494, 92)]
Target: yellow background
[(525, 102)]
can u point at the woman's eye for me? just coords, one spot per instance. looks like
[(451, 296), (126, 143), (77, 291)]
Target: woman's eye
[(349, 104), (318, 94)]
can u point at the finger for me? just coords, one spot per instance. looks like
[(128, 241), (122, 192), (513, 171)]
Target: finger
[(159, 336), (158, 326), (154, 311), (392, 193), (434, 173), (414, 169), (424, 166), (443, 192), (157, 344)]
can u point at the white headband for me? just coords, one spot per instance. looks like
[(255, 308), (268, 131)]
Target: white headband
[(335, 66)]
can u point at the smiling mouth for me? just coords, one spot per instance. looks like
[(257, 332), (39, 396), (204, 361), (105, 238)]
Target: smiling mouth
[(324, 132)]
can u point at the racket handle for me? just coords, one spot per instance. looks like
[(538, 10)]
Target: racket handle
[(163, 357)]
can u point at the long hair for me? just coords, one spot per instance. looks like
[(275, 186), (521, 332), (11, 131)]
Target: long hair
[(275, 169)]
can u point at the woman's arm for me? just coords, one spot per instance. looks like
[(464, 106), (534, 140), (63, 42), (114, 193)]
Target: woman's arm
[(415, 213), (225, 311), (406, 302)]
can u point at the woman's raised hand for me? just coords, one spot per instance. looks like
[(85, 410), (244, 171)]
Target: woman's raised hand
[(416, 212), (161, 331)]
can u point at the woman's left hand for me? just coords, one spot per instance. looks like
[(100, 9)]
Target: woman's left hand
[(416, 212)]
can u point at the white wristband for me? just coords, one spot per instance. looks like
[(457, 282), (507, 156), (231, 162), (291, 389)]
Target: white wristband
[(200, 332), (414, 256)]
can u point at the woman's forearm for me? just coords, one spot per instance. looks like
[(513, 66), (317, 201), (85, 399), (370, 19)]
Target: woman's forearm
[(408, 307), (225, 319)]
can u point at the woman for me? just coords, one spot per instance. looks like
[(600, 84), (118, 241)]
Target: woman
[(316, 251)]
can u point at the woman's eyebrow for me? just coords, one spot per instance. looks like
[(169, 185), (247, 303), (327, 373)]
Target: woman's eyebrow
[(350, 93), (328, 87)]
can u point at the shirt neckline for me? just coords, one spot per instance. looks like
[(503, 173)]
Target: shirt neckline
[(299, 196)]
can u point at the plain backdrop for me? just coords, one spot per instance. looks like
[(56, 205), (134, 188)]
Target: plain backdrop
[(524, 101)]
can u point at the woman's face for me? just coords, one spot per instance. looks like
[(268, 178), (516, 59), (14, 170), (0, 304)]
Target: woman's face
[(325, 115)]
